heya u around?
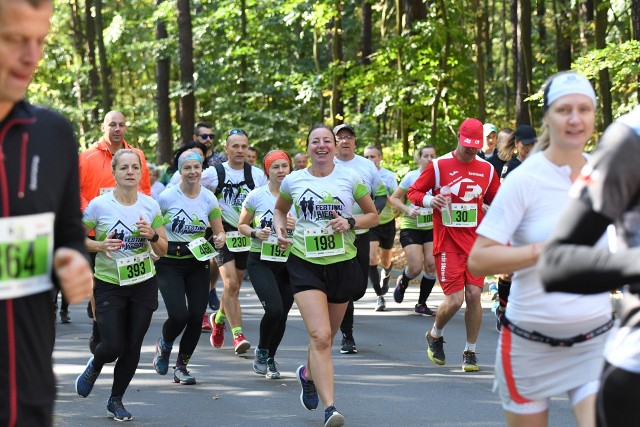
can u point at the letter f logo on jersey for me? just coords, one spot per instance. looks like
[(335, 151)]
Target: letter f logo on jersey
[(467, 190)]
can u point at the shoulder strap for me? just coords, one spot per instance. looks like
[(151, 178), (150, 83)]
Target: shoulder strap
[(248, 176), (221, 177)]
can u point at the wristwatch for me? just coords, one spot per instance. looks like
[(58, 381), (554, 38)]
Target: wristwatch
[(352, 222), (253, 234), (154, 238)]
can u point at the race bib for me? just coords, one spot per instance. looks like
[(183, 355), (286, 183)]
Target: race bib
[(202, 249), (462, 215), (424, 218), (319, 242), (106, 190), (238, 242), (134, 269), (271, 251), (26, 255)]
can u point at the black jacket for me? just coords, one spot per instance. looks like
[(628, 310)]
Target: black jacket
[(38, 173)]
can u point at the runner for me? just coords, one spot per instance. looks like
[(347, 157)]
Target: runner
[(605, 193), (267, 263), (323, 272), (127, 225), (231, 181), (183, 273), (39, 215), (382, 236), (549, 344), (416, 236), (461, 182)]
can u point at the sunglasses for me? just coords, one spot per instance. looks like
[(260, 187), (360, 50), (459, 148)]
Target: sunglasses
[(206, 135), (236, 132)]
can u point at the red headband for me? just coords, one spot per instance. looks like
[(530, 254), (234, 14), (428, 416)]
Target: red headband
[(272, 157)]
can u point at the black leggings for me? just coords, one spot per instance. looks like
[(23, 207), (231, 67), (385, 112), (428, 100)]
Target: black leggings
[(270, 280), (362, 257), (177, 279), (618, 401), (123, 315)]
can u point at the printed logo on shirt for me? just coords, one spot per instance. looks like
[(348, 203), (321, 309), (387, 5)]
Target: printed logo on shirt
[(467, 190), (234, 194), (313, 206), (183, 223), (130, 236), (453, 173)]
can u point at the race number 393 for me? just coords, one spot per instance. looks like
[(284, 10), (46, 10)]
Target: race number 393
[(26, 248)]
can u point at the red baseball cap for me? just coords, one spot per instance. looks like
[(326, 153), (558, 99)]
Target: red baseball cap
[(471, 133)]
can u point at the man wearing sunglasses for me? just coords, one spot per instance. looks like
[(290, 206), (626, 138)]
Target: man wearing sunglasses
[(204, 134), (231, 181)]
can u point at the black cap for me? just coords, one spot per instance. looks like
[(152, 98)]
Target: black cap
[(526, 135), (343, 126)]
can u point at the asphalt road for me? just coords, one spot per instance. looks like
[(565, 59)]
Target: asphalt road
[(390, 382)]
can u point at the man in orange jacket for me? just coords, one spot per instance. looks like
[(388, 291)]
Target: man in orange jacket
[(96, 177)]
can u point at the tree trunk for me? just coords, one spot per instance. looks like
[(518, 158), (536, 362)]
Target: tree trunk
[(94, 78), (105, 68), (243, 42), (402, 131), (316, 59), (541, 11), (505, 61), (487, 24), (515, 25), (563, 27), (164, 146), (479, 19), (523, 113), (604, 82), (187, 99), (444, 70), (337, 108), (367, 34)]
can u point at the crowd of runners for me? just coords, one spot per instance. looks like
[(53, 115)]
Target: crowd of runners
[(314, 230)]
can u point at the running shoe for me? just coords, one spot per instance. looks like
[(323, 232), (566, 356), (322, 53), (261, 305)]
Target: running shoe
[(272, 369), (398, 293), (64, 316), (308, 395), (260, 361), (423, 310), (435, 349), (182, 376), (217, 332), (240, 344), (206, 326), (95, 337), (161, 359), (380, 305), (86, 380), (333, 418), (348, 344), (384, 282), (117, 411), (214, 301), (470, 361)]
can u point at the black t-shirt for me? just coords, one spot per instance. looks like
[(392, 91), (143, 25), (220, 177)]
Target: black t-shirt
[(509, 167)]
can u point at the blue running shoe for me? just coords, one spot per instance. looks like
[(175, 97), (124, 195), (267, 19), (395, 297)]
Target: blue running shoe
[(214, 302), (116, 409), (333, 418), (308, 395), (86, 380), (161, 359)]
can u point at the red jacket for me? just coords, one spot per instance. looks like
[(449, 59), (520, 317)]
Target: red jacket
[(96, 173)]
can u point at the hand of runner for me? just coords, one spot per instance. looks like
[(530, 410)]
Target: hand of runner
[(438, 202), (283, 241), (338, 223), (291, 221), (219, 240), (74, 273), (264, 233), (145, 229), (110, 244)]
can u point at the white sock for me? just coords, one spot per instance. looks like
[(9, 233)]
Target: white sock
[(470, 347), (435, 332)]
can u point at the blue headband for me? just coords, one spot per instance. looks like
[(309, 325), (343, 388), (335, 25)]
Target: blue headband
[(188, 155)]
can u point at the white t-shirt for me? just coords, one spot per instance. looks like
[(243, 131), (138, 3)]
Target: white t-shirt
[(525, 211), (261, 203), (231, 197)]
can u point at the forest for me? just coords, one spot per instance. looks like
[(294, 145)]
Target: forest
[(404, 73)]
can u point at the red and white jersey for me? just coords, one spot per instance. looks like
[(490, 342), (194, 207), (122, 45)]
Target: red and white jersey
[(470, 184)]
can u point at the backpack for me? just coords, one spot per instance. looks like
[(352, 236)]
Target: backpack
[(248, 178)]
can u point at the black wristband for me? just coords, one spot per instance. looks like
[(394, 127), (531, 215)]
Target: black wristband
[(155, 237), (253, 234), (352, 222)]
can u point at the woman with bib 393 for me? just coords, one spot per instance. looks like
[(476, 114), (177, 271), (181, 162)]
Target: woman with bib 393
[(128, 226), (323, 272)]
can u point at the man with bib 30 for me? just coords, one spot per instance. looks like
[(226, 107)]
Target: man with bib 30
[(461, 182)]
